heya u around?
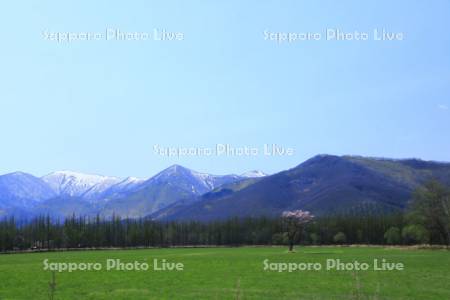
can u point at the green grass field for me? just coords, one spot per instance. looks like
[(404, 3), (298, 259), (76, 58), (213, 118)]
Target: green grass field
[(230, 273)]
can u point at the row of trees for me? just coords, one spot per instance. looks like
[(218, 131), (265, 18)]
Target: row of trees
[(81, 232), (427, 221)]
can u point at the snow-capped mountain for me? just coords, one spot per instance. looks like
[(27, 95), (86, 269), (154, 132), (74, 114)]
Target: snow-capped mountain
[(197, 182), (20, 189), (65, 192), (173, 184), (253, 174), (74, 184)]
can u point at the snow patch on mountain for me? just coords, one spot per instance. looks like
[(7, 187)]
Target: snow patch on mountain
[(74, 184), (122, 188), (253, 174)]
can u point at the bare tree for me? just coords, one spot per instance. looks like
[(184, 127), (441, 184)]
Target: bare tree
[(295, 222)]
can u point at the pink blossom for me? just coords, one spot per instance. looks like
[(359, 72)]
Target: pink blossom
[(299, 216)]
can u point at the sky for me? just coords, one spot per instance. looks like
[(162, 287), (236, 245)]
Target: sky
[(101, 106)]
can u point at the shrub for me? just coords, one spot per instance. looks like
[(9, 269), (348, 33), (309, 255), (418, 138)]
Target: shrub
[(340, 238), (393, 236), (280, 239), (414, 234), (315, 238)]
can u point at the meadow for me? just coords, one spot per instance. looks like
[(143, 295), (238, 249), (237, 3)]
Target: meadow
[(229, 273)]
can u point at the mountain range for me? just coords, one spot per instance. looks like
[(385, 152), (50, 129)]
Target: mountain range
[(324, 184), (64, 193)]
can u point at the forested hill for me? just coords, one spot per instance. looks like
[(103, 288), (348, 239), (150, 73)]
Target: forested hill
[(324, 184)]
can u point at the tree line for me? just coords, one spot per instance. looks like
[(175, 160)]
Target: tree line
[(427, 221)]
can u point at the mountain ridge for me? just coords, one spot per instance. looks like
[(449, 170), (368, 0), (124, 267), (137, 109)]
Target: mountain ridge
[(91, 194), (322, 184)]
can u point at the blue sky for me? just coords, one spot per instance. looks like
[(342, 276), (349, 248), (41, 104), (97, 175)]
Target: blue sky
[(101, 106)]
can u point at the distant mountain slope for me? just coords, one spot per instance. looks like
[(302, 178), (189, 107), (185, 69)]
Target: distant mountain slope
[(173, 184), (61, 207), (21, 191), (18, 185), (324, 184), (221, 191)]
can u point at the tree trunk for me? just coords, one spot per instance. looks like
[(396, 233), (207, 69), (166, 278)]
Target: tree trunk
[(291, 246)]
